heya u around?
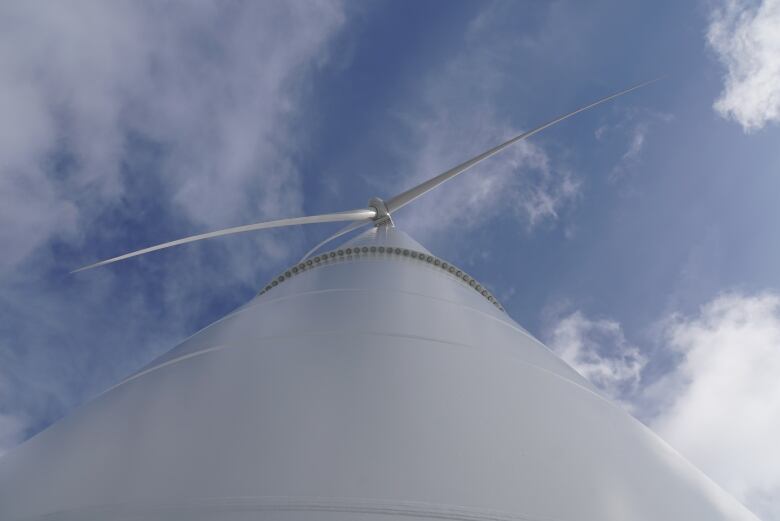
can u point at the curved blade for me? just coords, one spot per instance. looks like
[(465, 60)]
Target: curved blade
[(348, 228), (352, 215), (408, 196)]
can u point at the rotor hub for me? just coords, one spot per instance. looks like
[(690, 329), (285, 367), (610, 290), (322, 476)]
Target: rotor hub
[(382, 213)]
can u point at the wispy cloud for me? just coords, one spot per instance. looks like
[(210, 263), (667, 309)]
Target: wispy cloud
[(461, 113), (213, 88), (521, 185), (599, 351), (633, 129), (745, 35), (126, 123)]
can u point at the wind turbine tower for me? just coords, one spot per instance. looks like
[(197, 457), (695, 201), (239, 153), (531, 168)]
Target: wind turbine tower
[(371, 381)]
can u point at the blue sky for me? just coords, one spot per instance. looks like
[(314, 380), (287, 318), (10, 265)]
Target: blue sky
[(638, 240)]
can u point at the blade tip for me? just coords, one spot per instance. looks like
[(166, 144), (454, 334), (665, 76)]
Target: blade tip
[(84, 268)]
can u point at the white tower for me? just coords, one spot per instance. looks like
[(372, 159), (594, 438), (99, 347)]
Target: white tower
[(374, 381), (369, 382)]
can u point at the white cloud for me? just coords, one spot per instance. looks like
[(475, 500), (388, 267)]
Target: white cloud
[(634, 127), (520, 184), (746, 37), (718, 400), (462, 113), (630, 159), (722, 402), (637, 142), (599, 351), (213, 91), (214, 87)]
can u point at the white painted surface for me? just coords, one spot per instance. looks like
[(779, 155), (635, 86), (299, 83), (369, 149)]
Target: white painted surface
[(366, 389)]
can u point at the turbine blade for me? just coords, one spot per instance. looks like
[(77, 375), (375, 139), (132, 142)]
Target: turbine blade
[(348, 228), (352, 215), (410, 195)]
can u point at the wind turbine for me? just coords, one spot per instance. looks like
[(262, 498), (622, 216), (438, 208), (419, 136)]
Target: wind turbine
[(371, 381), (378, 211)]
